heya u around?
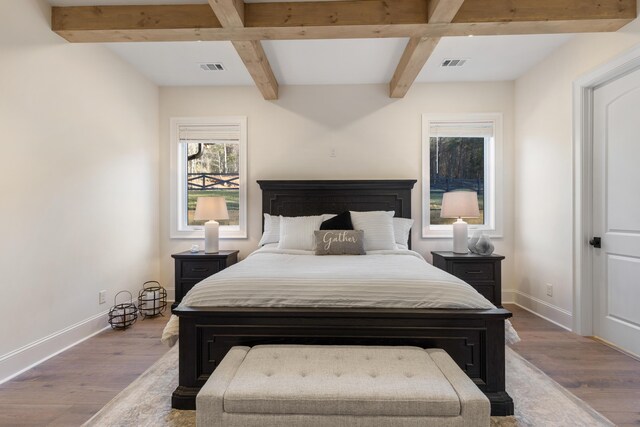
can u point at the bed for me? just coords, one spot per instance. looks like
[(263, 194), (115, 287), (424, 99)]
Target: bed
[(475, 338)]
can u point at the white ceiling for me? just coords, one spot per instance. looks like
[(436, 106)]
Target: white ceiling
[(489, 58), (178, 63), (357, 61), (309, 62)]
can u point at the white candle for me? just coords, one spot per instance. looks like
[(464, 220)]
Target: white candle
[(117, 318), (150, 302)]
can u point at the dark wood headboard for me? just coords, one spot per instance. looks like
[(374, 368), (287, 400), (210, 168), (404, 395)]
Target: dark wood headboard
[(300, 198)]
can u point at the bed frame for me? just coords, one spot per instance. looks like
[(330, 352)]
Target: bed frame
[(475, 339)]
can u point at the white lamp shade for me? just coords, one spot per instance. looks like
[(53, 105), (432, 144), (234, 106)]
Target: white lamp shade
[(211, 208), (460, 204)]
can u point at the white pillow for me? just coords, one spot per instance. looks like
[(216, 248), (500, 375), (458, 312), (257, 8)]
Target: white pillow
[(401, 230), (377, 227), (271, 230), (298, 232)]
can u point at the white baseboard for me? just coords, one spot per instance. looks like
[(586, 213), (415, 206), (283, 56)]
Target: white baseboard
[(552, 313), (24, 358), (508, 296)]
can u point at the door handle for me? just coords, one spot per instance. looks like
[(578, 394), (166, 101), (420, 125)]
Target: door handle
[(596, 242)]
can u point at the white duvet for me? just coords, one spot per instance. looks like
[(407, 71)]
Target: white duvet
[(270, 277)]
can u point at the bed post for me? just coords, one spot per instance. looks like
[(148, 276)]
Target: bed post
[(184, 396), (501, 402)]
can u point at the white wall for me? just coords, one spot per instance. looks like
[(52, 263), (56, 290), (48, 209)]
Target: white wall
[(544, 171), (375, 137), (78, 185)]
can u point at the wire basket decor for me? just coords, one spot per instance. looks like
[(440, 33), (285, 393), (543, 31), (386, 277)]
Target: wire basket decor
[(123, 315), (152, 299)]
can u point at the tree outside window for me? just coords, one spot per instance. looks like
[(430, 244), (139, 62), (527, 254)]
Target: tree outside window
[(213, 170), (456, 163)]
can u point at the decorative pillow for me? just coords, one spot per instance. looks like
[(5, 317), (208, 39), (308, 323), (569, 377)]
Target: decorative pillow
[(401, 230), (327, 216), (271, 230), (377, 227), (297, 232), (338, 222), (340, 242)]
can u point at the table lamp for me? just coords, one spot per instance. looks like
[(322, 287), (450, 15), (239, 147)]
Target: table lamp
[(209, 209), (460, 204)]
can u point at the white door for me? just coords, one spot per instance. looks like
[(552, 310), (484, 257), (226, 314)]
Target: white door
[(616, 212)]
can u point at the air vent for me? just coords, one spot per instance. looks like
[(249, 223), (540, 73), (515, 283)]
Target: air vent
[(453, 62), (212, 66)]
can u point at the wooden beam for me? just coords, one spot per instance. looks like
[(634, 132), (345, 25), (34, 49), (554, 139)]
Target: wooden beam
[(262, 21), (354, 32), (336, 13), (113, 18), (415, 55), (339, 19), (443, 10), (544, 10), (231, 14), (419, 49), (258, 66)]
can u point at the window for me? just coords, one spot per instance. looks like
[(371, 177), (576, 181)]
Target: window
[(208, 156), (459, 154)]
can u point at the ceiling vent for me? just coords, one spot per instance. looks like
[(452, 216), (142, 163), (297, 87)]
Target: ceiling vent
[(453, 62), (212, 66)]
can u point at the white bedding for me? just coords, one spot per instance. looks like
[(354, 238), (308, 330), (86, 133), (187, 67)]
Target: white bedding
[(272, 277)]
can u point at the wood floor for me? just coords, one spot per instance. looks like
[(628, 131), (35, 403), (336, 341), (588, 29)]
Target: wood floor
[(69, 388), (606, 379)]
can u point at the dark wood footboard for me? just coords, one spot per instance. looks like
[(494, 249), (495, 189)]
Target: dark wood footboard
[(475, 339)]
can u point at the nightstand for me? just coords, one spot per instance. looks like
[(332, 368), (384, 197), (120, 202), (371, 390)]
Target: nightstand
[(483, 272), (192, 267)]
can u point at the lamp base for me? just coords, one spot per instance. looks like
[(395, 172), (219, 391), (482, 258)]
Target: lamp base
[(211, 237), (460, 237)]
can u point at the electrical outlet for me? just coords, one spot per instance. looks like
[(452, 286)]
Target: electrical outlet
[(102, 297), (549, 290), (332, 153)]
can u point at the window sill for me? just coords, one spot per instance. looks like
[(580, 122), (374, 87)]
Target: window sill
[(448, 234), (199, 235)]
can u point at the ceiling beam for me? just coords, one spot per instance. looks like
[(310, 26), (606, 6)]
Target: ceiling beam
[(336, 13), (443, 11), (419, 49), (338, 19), (543, 10), (231, 14), (415, 55), (258, 66)]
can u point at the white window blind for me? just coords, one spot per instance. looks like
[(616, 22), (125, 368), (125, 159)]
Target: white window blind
[(443, 129), (209, 133)]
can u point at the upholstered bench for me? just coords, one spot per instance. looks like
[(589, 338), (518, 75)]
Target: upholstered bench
[(300, 385)]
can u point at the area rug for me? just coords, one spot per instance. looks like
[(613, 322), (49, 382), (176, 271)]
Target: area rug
[(539, 401)]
